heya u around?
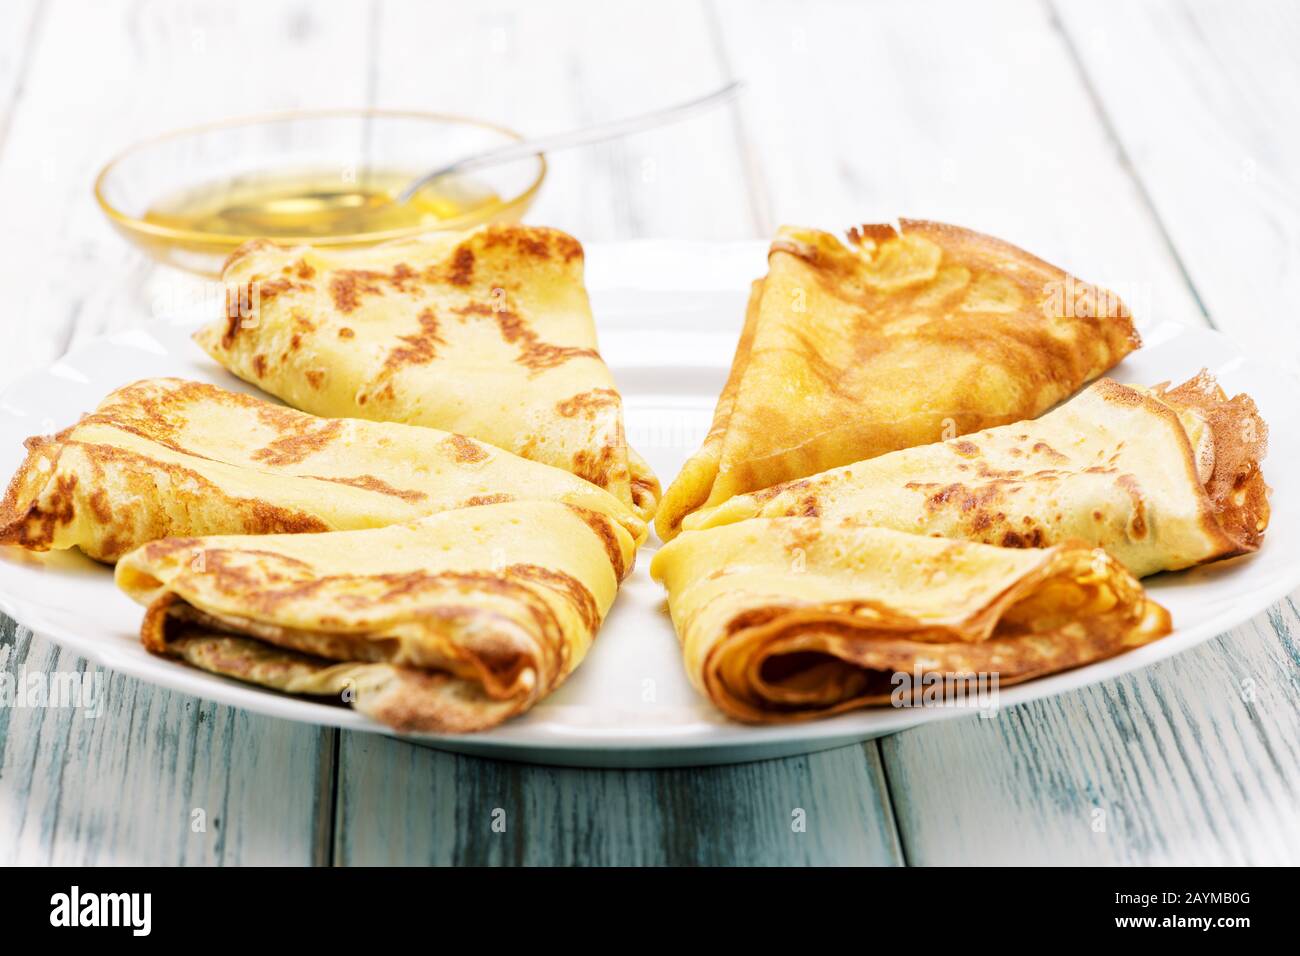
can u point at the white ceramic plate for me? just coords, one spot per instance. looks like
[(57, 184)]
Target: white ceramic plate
[(669, 314)]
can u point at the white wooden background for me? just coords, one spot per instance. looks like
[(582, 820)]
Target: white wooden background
[(1153, 147)]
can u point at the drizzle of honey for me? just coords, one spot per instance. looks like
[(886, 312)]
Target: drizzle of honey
[(316, 203)]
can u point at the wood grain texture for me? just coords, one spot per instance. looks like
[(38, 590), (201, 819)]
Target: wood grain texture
[(939, 109), (560, 65), (1151, 148), (21, 33), (564, 65), (1202, 95), (401, 804), (121, 788), (105, 75), (147, 777), (1192, 761)]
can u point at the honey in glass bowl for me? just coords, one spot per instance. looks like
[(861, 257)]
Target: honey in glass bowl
[(327, 178), (310, 204)]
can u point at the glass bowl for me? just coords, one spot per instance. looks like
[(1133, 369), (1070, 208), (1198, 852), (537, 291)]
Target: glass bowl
[(227, 156)]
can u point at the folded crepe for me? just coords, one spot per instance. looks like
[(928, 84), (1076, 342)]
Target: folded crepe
[(899, 338), (452, 623), (1162, 478), (785, 619), (169, 457), (487, 333)]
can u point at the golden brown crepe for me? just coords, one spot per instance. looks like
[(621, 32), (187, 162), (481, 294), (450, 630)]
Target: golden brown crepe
[(1162, 478), (893, 340), (452, 623), (786, 619), (171, 457), (487, 333)]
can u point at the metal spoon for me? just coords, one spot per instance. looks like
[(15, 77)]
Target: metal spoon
[(567, 140)]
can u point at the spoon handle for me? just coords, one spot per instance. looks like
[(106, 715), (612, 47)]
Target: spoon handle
[(571, 138)]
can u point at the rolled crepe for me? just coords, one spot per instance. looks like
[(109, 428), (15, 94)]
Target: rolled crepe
[(785, 619), (894, 340), (453, 623), (1162, 478), (487, 333), (169, 457)]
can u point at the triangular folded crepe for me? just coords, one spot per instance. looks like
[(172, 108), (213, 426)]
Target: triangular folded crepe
[(1161, 478), (172, 457), (894, 340), (487, 333), (452, 623), (793, 618)]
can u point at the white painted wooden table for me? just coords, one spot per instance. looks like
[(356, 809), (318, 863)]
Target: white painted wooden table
[(1150, 147)]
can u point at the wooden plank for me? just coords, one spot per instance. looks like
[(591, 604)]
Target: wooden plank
[(106, 75), (852, 114), (940, 109), (147, 777), (121, 788), (1202, 96), (400, 804), (1192, 761), (547, 67), (982, 118), (21, 32)]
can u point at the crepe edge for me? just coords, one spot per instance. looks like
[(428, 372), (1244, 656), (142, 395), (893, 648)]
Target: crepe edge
[(694, 484), (23, 523), (808, 244), (1237, 495), (217, 337), (1151, 622), (1234, 512), (405, 697), (644, 487), (1117, 331)]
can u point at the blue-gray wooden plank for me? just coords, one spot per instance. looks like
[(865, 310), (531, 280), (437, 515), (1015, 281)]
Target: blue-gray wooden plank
[(1192, 761), (856, 111), (124, 787), (403, 804), (145, 776), (1196, 760), (399, 803), (1200, 96)]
